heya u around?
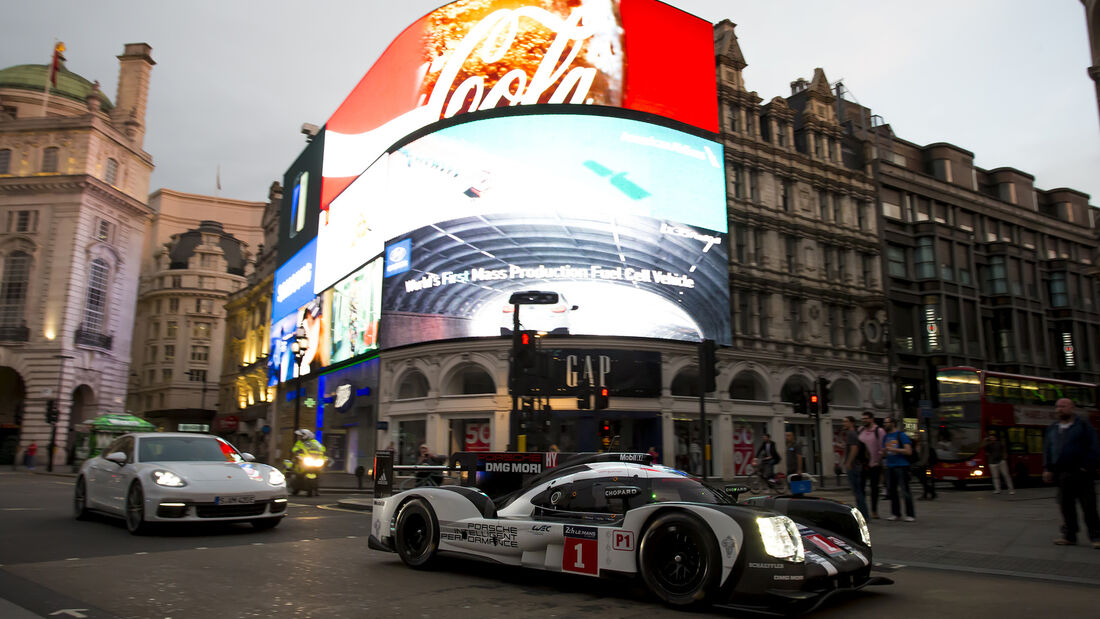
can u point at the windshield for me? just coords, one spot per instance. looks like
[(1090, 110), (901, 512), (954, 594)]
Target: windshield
[(186, 449), (670, 489), (957, 440), (958, 385)]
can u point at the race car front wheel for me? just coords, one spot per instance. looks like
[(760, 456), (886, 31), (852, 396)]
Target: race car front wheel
[(416, 534), (678, 558)]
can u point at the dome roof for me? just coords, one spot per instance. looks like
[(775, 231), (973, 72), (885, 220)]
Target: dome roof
[(33, 77), (187, 242)]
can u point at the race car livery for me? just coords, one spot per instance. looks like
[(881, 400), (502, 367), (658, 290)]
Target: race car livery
[(603, 515)]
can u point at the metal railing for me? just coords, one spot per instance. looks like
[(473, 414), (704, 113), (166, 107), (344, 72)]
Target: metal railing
[(12, 333), (88, 337)]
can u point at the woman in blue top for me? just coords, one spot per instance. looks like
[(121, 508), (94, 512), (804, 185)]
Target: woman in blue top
[(897, 446)]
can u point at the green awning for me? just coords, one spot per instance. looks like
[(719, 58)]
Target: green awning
[(119, 422)]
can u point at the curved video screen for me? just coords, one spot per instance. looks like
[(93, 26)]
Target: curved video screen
[(624, 219), (475, 55)]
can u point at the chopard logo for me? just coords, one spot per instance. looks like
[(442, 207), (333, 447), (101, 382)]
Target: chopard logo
[(498, 32)]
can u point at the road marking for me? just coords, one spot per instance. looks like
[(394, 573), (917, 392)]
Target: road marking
[(21, 509), (201, 548), (72, 612), (343, 509), (257, 543), (141, 553), (73, 559)]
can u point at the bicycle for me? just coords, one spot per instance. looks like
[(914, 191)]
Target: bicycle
[(759, 484)]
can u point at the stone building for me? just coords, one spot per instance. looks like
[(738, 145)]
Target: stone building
[(200, 249), (74, 186)]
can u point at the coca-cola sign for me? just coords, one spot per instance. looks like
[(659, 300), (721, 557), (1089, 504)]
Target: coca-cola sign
[(475, 55)]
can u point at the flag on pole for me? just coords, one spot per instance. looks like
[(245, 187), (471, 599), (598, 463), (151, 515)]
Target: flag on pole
[(58, 58), (219, 177)]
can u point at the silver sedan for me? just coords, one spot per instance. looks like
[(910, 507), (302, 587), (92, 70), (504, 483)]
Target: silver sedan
[(153, 477)]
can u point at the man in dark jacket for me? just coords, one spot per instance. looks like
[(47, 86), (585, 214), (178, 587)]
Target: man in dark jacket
[(768, 456), (1071, 451)]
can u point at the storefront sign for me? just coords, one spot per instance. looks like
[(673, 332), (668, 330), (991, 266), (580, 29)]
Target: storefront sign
[(478, 436), (624, 372)]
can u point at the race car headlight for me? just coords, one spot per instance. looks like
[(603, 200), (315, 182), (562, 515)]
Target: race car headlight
[(168, 478), (781, 538), (864, 532), (276, 478)]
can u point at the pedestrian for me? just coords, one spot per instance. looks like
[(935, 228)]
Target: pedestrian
[(768, 457), (897, 447), (998, 465), (871, 435), (855, 460), (1071, 451), (926, 459), (29, 455), (794, 457), (652, 451)]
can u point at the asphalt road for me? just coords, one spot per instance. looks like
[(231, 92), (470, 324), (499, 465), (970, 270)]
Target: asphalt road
[(316, 564)]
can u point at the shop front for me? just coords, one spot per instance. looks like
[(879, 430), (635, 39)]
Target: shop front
[(347, 415)]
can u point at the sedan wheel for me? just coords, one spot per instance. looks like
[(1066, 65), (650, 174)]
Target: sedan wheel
[(678, 559), (135, 510), (80, 500), (416, 534)]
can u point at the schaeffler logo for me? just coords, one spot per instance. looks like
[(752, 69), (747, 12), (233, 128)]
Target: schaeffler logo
[(585, 44)]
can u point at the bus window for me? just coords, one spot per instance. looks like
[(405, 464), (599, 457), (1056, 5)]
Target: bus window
[(1016, 442), (1011, 388), (994, 392), (1030, 392), (1034, 441), (958, 385), (1047, 393), (957, 440)]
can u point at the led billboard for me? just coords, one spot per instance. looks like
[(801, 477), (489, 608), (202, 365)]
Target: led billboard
[(316, 338), (356, 310), (624, 219), (472, 55)]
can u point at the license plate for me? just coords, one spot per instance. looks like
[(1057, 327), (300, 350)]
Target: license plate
[(242, 499), (950, 478)]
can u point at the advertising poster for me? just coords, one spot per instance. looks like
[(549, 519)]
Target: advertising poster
[(317, 339), (356, 310), (483, 54), (625, 220)]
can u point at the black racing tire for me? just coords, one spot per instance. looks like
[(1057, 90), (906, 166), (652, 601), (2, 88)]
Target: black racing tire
[(80, 500), (135, 510), (679, 560), (416, 534), (265, 524)]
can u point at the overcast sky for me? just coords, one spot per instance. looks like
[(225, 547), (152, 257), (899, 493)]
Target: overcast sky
[(235, 80)]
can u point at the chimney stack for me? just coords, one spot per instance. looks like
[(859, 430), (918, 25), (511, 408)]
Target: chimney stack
[(135, 64)]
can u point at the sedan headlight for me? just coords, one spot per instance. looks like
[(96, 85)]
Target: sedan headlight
[(781, 538), (276, 478), (864, 532), (168, 478)]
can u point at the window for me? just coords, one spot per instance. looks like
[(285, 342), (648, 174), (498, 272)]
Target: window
[(750, 117), (95, 304), (739, 241), (744, 312), (766, 129), (925, 258), (169, 352), (867, 262), (151, 354), (891, 203), (735, 118), (762, 311), (941, 169), (965, 220), (946, 257), (22, 221), (861, 215), (173, 306), (170, 329), (200, 353), (836, 327), (204, 282), (785, 195), (49, 159), (841, 264), (150, 376), (735, 178), (204, 306), (827, 260), (196, 376), (177, 281), (781, 133), (838, 213), (792, 253), (817, 139), (962, 263), (166, 375), (754, 184), (896, 264), (154, 330), (1059, 295), (13, 289), (5, 161), (794, 316), (823, 204), (111, 173), (758, 247), (201, 330), (103, 231)]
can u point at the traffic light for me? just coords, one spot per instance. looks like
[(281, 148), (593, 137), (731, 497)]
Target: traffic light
[(815, 402), (601, 398), (528, 367), (800, 403), (584, 396), (526, 350), (708, 365), (52, 411), (823, 395)]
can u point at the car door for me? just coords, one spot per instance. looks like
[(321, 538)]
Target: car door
[(119, 481), (577, 511), (97, 475)]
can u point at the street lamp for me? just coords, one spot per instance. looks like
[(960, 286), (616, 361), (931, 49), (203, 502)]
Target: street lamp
[(298, 348)]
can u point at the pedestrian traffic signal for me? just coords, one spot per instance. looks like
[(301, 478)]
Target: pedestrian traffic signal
[(52, 411), (601, 398), (814, 404), (823, 395), (708, 365)]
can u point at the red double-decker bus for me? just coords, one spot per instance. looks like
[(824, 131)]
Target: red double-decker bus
[(974, 403)]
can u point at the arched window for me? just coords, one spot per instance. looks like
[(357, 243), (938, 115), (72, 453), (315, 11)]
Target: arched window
[(49, 159), (747, 386), (686, 382), (96, 303), (13, 289), (5, 161), (414, 385), (470, 380), (111, 173)]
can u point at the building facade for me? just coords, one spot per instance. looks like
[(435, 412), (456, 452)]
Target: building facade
[(200, 249), (74, 185)]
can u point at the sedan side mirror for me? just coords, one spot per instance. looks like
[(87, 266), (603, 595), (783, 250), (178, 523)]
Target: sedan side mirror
[(247, 457), (117, 457)]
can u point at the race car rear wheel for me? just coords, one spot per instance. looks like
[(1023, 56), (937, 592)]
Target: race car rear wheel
[(679, 560), (416, 534)]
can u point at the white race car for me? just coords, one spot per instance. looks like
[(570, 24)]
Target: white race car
[(690, 543), (151, 477)]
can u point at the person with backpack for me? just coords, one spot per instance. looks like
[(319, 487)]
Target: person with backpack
[(871, 435), (855, 461), (898, 447)]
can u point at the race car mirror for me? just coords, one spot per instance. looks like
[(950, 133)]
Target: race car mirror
[(735, 490)]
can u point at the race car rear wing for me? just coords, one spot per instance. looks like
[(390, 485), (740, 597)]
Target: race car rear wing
[(497, 473)]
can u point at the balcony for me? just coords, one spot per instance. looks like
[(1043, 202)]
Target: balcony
[(87, 337), (12, 333)]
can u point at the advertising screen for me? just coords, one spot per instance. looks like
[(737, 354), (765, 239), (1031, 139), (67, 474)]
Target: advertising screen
[(356, 310), (316, 340), (471, 55), (294, 282), (625, 220)]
